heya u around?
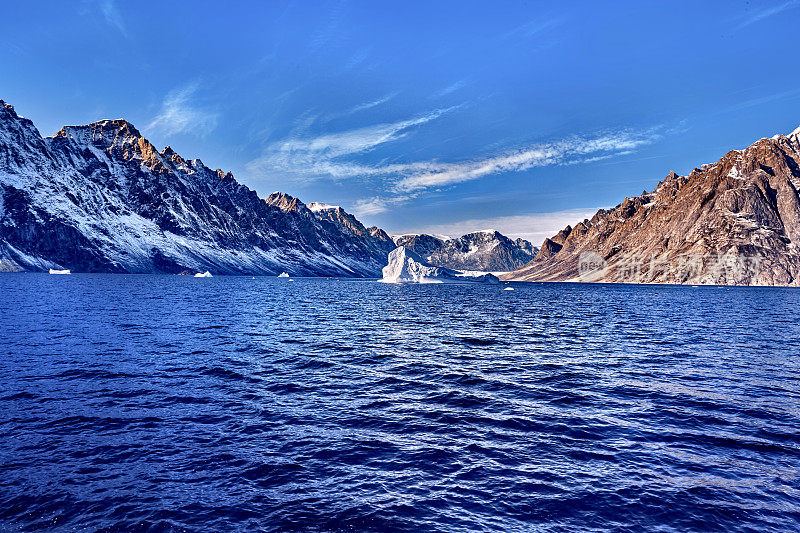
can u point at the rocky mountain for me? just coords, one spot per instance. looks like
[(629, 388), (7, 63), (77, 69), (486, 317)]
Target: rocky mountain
[(101, 198), (486, 251), (373, 236), (421, 244), (736, 221)]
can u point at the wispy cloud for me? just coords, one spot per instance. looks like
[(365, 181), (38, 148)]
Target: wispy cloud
[(534, 227), (571, 150), (342, 156), (363, 107), (333, 28), (533, 28), (315, 157), (766, 99), (761, 14), (180, 114), (453, 87), (377, 205), (332, 156), (112, 15)]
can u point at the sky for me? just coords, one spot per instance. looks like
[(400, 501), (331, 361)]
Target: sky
[(440, 117)]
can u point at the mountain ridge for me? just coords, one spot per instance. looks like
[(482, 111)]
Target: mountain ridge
[(485, 250), (736, 221), (101, 198)]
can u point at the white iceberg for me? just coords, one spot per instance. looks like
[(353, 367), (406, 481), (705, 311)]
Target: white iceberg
[(54, 271), (509, 289), (283, 275), (407, 267), (205, 274)]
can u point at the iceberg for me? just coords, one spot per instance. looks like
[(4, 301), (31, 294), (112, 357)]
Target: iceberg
[(407, 267), (283, 275), (509, 289), (53, 271), (205, 274)]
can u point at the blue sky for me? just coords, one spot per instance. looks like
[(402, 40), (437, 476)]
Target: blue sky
[(420, 116)]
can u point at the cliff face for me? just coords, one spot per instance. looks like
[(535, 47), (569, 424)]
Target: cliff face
[(736, 221), (101, 198)]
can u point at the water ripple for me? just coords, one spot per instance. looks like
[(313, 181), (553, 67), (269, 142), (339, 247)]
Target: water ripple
[(164, 403)]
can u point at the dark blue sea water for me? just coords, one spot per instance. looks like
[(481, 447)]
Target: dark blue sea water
[(172, 403)]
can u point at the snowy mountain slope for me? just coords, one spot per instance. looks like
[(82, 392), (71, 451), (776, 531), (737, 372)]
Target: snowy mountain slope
[(101, 198)]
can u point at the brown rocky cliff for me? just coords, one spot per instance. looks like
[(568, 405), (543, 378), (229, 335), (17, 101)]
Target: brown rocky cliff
[(736, 221)]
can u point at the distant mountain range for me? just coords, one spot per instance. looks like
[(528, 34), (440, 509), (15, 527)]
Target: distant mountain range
[(101, 198), (486, 251), (734, 222)]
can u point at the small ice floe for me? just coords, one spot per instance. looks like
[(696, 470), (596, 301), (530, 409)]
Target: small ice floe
[(290, 279), (509, 289), (205, 274), (283, 275), (54, 271)]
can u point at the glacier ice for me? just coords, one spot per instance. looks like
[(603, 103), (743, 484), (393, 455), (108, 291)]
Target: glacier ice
[(404, 266)]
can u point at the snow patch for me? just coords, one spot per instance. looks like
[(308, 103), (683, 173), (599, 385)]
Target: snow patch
[(319, 206)]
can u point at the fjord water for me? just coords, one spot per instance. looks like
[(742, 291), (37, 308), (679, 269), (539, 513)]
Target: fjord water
[(230, 403)]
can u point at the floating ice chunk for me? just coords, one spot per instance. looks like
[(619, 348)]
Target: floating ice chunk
[(509, 289), (53, 271), (407, 267), (283, 275), (205, 274)]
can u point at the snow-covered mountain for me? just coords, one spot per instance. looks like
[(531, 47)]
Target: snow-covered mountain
[(487, 251), (101, 198)]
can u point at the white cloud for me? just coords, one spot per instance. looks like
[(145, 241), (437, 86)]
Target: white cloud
[(378, 204), (533, 28), (315, 157), (179, 114), (534, 227), (112, 15), (752, 18), (331, 155), (566, 151), (370, 105), (451, 88), (354, 141)]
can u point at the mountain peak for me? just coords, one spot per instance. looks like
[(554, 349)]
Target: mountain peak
[(8, 107), (285, 202), (108, 132)]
